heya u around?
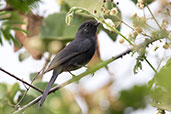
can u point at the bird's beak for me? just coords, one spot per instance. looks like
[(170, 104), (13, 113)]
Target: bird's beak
[(97, 24)]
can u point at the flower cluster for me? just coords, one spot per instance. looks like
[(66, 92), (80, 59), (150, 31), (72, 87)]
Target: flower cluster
[(140, 4)]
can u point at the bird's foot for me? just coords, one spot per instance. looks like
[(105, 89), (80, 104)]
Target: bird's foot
[(92, 74), (72, 74)]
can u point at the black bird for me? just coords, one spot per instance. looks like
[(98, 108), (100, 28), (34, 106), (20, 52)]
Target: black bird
[(75, 55)]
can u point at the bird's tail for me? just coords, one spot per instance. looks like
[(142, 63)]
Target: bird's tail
[(48, 87)]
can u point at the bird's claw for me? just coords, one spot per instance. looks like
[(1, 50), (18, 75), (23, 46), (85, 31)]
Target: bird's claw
[(72, 74)]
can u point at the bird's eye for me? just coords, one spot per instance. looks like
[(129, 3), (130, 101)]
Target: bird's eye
[(87, 25)]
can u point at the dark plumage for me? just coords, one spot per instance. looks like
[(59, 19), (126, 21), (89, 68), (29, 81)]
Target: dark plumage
[(78, 53)]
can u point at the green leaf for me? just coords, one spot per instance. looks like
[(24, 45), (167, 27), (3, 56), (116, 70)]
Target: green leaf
[(23, 5), (163, 77), (54, 27), (162, 89), (18, 29), (7, 109), (3, 90), (64, 7), (134, 97), (6, 34), (34, 110), (3, 13), (26, 99), (23, 56), (33, 75), (14, 89), (1, 39), (16, 41), (138, 65), (39, 84), (13, 18)]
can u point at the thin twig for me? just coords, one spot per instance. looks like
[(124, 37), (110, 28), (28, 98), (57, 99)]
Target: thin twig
[(124, 22), (17, 105), (161, 60), (27, 105), (115, 30), (25, 93), (150, 65), (21, 80), (146, 35), (76, 78), (153, 17), (44, 66)]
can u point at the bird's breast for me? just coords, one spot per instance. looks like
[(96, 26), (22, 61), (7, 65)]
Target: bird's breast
[(80, 60)]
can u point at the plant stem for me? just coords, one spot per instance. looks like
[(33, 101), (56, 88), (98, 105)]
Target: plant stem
[(150, 65), (153, 16), (115, 30)]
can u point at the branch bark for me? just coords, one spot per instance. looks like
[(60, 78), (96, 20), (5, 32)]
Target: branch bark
[(21, 80)]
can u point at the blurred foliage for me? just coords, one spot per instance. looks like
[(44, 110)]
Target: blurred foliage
[(8, 23), (10, 18), (54, 27), (102, 101), (33, 75), (23, 56), (138, 65), (23, 5), (161, 91), (61, 102), (136, 97)]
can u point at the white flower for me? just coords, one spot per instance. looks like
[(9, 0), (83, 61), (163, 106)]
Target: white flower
[(110, 22), (140, 4), (113, 11)]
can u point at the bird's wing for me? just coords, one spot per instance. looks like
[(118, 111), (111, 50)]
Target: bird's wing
[(72, 50), (55, 64)]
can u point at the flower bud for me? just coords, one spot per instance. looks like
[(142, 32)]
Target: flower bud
[(121, 41), (113, 11)]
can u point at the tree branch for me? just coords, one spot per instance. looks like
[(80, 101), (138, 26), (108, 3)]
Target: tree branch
[(44, 66), (76, 78), (21, 80)]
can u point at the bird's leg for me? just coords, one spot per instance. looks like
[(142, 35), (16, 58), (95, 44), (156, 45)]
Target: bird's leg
[(72, 74)]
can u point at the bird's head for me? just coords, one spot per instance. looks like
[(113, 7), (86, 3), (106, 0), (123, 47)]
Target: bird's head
[(88, 27)]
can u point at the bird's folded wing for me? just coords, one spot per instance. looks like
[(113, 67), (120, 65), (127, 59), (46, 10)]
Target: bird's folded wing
[(53, 65), (56, 61)]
